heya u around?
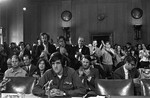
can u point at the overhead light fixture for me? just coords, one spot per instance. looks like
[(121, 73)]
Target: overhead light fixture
[(24, 8)]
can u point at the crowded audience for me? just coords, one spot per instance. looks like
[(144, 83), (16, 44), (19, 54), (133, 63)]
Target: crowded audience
[(71, 70)]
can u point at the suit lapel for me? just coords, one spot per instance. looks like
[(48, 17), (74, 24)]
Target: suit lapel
[(123, 72)]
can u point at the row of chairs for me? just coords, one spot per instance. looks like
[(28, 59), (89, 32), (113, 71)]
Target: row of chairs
[(20, 85), (123, 87), (103, 86)]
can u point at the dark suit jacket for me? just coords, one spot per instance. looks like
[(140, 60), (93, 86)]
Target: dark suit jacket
[(120, 74), (33, 70), (85, 50)]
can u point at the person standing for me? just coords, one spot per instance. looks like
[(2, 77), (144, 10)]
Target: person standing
[(108, 56), (45, 46), (79, 51)]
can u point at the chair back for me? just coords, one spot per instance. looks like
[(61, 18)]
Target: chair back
[(20, 84), (1, 77), (145, 87), (115, 87)]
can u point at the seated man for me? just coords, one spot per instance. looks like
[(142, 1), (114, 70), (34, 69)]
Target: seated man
[(59, 80), (29, 67), (128, 70), (16, 70), (88, 74)]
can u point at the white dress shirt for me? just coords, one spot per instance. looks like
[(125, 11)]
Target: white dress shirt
[(126, 73)]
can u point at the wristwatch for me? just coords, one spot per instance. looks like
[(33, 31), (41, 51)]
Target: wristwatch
[(64, 94)]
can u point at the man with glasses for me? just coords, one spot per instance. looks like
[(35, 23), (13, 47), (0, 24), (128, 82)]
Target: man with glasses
[(128, 70)]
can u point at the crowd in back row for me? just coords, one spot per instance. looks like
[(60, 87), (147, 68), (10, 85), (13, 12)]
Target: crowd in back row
[(106, 57)]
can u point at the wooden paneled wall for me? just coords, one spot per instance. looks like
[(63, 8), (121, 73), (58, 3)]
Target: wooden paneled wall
[(46, 17)]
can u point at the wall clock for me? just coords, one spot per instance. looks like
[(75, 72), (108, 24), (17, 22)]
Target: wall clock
[(66, 15), (137, 13)]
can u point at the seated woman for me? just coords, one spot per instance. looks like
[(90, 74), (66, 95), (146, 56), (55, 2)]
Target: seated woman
[(88, 74), (42, 65)]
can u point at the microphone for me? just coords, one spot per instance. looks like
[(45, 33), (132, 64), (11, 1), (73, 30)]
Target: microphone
[(47, 88), (3, 84), (48, 84)]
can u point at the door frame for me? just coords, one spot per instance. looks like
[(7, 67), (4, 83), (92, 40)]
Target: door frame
[(110, 34)]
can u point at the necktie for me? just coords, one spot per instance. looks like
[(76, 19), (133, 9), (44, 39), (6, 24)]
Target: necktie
[(28, 69), (80, 49), (129, 75)]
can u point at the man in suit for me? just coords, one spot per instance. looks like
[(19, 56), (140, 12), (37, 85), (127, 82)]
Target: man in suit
[(81, 48), (79, 51), (29, 68), (128, 70)]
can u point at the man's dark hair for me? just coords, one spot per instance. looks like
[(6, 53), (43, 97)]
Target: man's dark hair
[(13, 43), (62, 37), (87, 57), (42, 34), (22, 43), (129, 59), (128, 43), (57, 56), (26, 55)]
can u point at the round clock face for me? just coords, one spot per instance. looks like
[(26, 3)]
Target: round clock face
[(137, 13), (66, 15)]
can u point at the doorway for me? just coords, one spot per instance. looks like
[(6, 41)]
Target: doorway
[(102, 36)]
